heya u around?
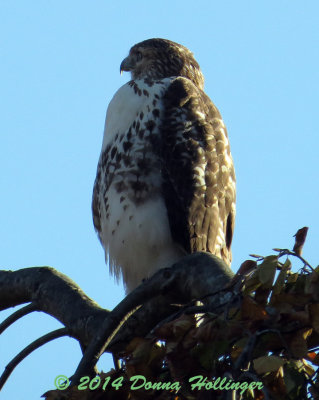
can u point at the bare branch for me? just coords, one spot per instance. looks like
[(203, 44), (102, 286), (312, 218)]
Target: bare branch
[(287, 252), (55, 294), (28, 350), (17, 315)]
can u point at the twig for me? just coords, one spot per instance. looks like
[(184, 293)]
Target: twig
[(245, 354), (284, 252), (16, 315), (277, 332), (190, 309), (28, 350)]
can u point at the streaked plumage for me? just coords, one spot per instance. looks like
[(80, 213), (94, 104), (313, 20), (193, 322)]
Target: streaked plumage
[(165, 183)]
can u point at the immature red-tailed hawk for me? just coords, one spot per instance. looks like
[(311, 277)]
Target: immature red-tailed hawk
[(165, 183)]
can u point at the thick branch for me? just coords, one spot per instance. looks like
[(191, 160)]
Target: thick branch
[(57, 295), (191, 278)]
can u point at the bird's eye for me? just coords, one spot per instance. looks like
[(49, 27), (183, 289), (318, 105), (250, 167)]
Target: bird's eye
[(138, 56)]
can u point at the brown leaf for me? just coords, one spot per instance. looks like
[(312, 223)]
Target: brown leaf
[(308, 368), (138, 346), (244, 270), (275, 384), (246, 267), (314, 391), (262, 295), (292, 278), (313, 286), (175, 329), (252, 311), (206, 332), (298, 344), (311, 356), (314, 316), (300, 316), (238, 348), (267, 364), (296, 300), (281, 306), (300, 240), (182, 325)]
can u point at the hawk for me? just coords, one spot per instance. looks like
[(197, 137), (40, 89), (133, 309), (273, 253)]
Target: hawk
[(165, 183)]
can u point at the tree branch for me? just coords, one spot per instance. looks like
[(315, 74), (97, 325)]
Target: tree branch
[(191, 278), (55, 294), (28, 350), (99, 330), (16, 315)]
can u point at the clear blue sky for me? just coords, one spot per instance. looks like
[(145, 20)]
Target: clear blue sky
[(59, 69)]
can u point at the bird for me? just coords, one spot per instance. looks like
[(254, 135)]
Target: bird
[(165, 185)]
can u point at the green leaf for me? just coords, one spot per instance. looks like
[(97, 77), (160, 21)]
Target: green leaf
[(280, 281), (267, 270)]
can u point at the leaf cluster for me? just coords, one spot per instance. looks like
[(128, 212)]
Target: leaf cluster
[(268, 332)]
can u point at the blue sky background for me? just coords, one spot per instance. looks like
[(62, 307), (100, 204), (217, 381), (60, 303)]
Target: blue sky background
[(59, 69)]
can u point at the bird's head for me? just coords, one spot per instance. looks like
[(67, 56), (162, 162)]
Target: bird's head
[(162, 58)]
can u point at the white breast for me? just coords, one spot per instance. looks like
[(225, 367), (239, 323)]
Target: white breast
[(126, 105), (136, 235)]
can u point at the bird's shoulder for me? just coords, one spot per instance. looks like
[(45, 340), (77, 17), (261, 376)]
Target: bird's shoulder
[(189, 101)]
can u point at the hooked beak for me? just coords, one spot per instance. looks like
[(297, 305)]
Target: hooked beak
[(126, 65)]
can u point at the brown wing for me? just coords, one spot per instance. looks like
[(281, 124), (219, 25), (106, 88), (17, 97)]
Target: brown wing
[(96, 207), (198, 173)]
